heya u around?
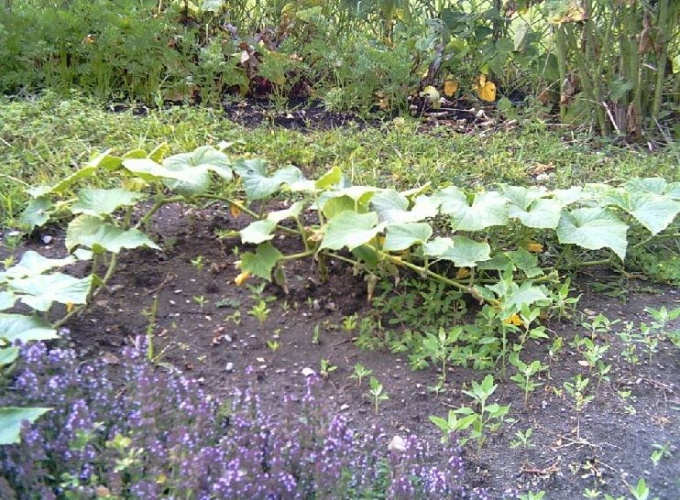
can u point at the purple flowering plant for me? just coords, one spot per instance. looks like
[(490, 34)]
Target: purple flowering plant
[(140, 431)]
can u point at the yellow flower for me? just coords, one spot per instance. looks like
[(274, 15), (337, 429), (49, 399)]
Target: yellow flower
[(242, 278), (235, 209), (486, 90), (450, 87), (513, 320), (462, 273), (534, 247)]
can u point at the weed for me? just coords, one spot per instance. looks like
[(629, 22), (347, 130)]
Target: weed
[(576, 388), (326, 368), (360, 372), (660, 452), (377, 394), (487, 419), (198, 263), (349, 323), (261, 312), (525, 375), (522, 439), (201, 301)]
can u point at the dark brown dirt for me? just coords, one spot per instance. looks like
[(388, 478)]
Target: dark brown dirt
[(216, 341)]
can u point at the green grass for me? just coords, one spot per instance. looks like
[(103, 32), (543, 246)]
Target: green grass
[(44, 139)]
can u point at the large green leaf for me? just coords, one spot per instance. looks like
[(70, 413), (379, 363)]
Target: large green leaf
[(7, 300), (329, 179), (593, 228), (104, 201), (15, 327), (150, 171), (568, 196), (488, 208), (466, 252), (42, 290), (403, 236), (257, 184), (262, 261), (673, 191), (293, 211), (350, 229), (525, 261), (80, 227), (114, 239), (258, 232), (195, 168), (96, 234), (514, 296), (32, 263), (463, 251), (333, 206), (65, 183), (532, 208), (392, 206), (36, 213), (655, 212), (8, 355), (11, 419), (653, 185)]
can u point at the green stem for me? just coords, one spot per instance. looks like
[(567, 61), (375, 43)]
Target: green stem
[(144, 220), (247, 211), (79, 309)]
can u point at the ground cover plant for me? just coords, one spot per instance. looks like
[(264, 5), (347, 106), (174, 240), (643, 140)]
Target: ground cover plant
[(126, 440)]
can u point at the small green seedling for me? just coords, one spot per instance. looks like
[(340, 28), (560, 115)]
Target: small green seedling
[(360, 372), (349, 323), (326, 368), (526, 373), (660, 452), (200, 300), (261, 312), (377, 394), (198, 263), (522, 439)]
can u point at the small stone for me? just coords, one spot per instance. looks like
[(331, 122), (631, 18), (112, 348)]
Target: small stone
[(344, 407), (47, 239), (397, 444), (229, 367), (308, 372)]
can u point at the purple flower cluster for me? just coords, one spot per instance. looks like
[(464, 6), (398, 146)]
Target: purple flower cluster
[(139, 431)]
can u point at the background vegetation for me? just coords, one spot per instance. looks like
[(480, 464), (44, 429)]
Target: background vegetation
[(609, 64)]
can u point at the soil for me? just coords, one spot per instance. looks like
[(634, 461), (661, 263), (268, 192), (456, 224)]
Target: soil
[(608, 448)]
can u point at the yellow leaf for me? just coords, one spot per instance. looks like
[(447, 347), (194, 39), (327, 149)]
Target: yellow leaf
[(513, 320), (462, 273), (242, 278), (450, 87), (485, 89), (69, 307), (534, 247)]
